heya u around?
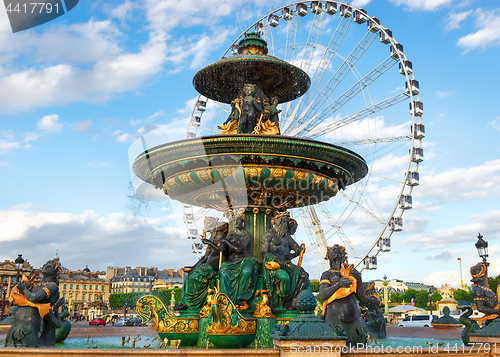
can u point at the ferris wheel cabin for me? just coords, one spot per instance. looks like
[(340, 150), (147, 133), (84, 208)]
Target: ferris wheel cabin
[(197, 248), (417, 155), (201, 105), (287, 14), (195, 120), (384, 244), (192, 233), (385, 36), (397, 50), (414, 86), (396, 224), (405, 202), (417, 108), (413, 178), (418, 131), (301, 9), (316, 7), (273, 20), (188, 218), (405, 67), (360, 16), (259, 28), (374, 25), (331, 8), (371, 263), (345, 10)]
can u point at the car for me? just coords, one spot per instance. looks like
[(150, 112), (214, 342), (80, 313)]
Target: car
[(122, 322), (97, 322), (417, 321), (136, 321)]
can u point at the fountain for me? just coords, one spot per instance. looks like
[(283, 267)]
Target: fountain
[(245, 284)]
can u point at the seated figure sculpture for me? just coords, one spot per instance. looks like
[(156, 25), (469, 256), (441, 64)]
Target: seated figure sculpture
[(238, 274), (201, 276), (282, 278), (37, 311), (486, 300), (338, 288)]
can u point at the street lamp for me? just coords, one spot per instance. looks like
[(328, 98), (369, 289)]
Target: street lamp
[(19, 266), (482, 248), (431, 290)]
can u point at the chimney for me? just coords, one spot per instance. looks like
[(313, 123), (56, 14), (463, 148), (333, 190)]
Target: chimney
[(171, 272), (139, 270), (79, 271), (96, 275), (87, 274), (70, 274)]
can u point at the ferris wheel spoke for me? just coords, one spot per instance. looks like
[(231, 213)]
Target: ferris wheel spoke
[(362, 208), (386, 178), (373, 141), (324, 64), (344, 98), (398, 98), (337, 230), (312, 41), (339, 75), (316, 246)]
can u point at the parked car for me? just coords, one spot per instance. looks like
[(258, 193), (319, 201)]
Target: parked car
[(122, 322), (136, 321), (97, 322), (417, 321)]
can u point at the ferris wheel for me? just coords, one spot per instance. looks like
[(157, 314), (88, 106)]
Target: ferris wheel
[(363, 96)]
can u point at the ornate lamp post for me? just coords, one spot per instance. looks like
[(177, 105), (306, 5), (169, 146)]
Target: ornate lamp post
[(431, 290), (19, 266), (482, 250), (386, 296)]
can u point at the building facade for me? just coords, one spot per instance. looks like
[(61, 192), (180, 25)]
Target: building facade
[(8, 279)]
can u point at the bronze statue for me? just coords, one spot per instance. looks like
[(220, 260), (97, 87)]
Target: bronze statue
[(486, 300), (338, 288), (250, 108), (238, 274), (201, 275), (282, 278), (374, 316), (37, 316)]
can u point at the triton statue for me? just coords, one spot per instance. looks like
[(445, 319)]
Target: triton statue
[(338, 288), (37, 315)]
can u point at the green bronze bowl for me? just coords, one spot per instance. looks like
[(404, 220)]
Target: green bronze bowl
[(238, 171)]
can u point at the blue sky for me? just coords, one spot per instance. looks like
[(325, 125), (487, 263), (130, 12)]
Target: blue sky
[(76, 92)]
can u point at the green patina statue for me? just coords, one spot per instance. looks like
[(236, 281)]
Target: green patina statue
[(282, 278), (238, 274), (200, 277)]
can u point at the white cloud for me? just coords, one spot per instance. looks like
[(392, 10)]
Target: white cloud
[(88, 238), (50, 124), (463, 183), (439, 278), (488, 34), (83, 126), (31, 136), (495, 124), (440, 94), (6, 146), (360, 3), (428, 5), (487, 223), (367, 128), (122, 11), (455, 19)]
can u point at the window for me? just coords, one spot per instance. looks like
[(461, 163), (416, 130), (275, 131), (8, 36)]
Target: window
[(71, 286), (90, 287), (13, 279), (64, 286), (102, 287), (4, 279), (96, 287), (85, 287), (64, 296), (78, 286)]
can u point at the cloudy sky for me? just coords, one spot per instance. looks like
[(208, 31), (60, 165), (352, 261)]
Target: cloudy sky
[(77, 92)]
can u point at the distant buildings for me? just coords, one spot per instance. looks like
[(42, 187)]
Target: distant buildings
[(141, 279), (398, 286)]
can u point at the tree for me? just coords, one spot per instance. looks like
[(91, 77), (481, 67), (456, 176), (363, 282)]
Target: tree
[(408, 295), (436, 296), (314, 286), (461, 295), (421, 299), (493, 283)]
